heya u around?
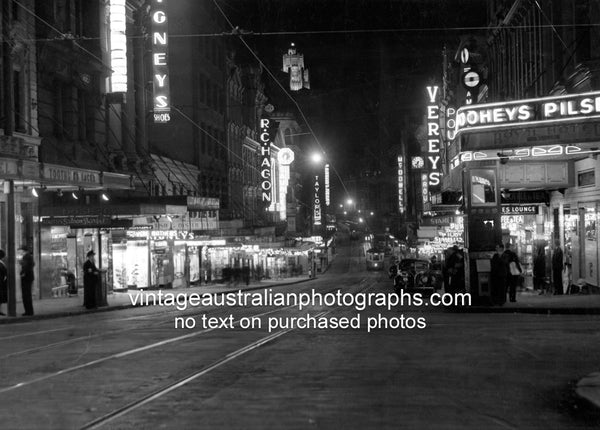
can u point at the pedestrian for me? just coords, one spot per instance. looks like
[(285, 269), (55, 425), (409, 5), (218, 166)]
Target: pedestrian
[(90, 281), (539, 270), (514, 271), (557, 268), (456, 270), (499, 275), (3, 282), (27, 277)]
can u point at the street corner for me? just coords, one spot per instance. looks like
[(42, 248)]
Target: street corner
[(588, 388)]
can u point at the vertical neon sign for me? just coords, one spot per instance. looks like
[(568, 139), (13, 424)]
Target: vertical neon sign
[(160, 70), (433, 138), (118, 46), (317, 203), (327, 195), (401, 184), (265, 165)]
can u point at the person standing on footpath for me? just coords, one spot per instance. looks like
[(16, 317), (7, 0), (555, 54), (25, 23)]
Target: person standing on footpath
[(3, 282), (27, 277), (498, 274), (539, 270), (557, 268), (90, 281), (514, 271)]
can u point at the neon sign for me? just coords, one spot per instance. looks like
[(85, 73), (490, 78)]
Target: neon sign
[(433, 137), (327, 192), (118, 46), (317, 203), (401, 184), (265, 165), (162, 104), (517, 153), (543, 110)]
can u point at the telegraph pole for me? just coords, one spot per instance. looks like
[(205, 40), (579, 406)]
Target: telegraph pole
[(9, 185)]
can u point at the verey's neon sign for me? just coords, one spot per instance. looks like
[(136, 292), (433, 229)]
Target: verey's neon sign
[(162, 104), (543, 110), (265, 165), (118, 46), (433, 137)]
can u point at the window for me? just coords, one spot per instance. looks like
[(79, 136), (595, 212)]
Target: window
[(586, 179)]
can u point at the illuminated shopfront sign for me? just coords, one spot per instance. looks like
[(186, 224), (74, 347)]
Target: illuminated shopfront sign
[(434, 140), (543, 110), (285, 157), (317, 203), (160, 70), (327, 192), (518, 153), (520, 209), (425, 188), (118, 46), (265, 166), (401, 184)]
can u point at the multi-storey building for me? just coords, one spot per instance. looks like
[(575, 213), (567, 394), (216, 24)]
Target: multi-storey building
[(530, 178)]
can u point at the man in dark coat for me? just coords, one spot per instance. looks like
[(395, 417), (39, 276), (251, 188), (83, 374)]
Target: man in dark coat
[(509, 256), (27, 277), (557, 268), (90, 281), (499, 275), (3, 282)]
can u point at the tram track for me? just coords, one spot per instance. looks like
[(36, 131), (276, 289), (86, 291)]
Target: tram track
[(204, 365)]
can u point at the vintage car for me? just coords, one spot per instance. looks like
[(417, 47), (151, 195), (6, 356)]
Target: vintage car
[(415, 274)]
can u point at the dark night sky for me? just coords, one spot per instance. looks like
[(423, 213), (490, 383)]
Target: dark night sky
[(344, 64)]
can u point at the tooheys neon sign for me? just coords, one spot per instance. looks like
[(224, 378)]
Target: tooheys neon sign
[(433, 137), (162, 104), (543, 110), (265, 165)]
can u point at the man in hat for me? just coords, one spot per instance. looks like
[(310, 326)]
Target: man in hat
[(27, 277), (90, 281)]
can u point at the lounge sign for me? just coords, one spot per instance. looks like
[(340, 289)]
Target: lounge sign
[(543, 111)]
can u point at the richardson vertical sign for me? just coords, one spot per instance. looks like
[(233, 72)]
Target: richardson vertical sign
[(160, 70), (265, 164), (434, 140)]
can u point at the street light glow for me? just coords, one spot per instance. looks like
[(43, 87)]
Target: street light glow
[(317, 158), (349, 201)]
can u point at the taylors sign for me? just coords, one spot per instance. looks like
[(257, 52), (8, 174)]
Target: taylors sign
[(265, 165), (543, 110)]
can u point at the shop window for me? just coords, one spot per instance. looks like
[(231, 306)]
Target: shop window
[(586, 179)]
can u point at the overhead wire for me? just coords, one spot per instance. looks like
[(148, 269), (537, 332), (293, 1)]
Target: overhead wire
[(241, 38)]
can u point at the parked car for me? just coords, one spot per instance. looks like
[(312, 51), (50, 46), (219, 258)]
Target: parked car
[(415, 274)]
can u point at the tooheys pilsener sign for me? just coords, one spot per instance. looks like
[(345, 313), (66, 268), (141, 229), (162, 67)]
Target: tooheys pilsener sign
[(542, 111), (265, 166)]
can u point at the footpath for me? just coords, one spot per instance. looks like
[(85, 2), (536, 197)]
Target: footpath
[(68, 306)]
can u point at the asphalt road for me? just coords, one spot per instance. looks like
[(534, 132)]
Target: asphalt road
[(132, 369)]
